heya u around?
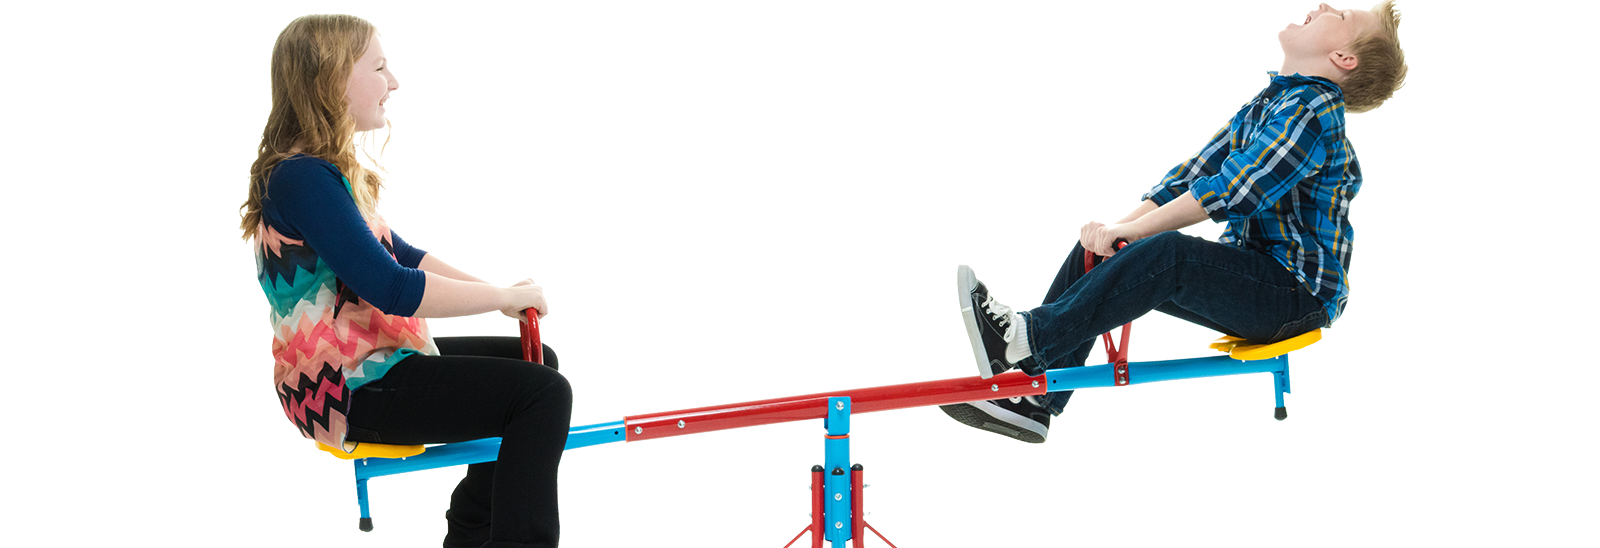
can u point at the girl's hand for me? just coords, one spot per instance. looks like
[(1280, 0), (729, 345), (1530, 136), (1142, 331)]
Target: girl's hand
[(522, 296)]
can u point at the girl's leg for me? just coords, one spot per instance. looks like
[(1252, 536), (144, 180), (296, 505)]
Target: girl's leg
[(469, 517), (444, 399)]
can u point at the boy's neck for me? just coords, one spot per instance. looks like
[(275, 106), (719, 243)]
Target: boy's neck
[(1319, 67)]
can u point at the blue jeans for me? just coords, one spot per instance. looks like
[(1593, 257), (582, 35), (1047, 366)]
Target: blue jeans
[(1235, 291)]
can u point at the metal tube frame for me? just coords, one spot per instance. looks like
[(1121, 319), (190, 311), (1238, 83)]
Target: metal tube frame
[(835, 408)]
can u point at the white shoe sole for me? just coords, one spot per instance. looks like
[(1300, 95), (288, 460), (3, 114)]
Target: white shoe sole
[(1011, 420), (966, 281)]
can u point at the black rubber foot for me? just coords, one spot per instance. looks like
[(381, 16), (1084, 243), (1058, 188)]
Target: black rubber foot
[(366, 524), (1281, 413)]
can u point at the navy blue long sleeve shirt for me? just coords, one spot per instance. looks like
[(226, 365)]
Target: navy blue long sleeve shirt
[(308, 199)]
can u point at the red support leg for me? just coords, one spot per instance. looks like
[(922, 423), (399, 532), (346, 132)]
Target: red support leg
[(858, 517), (818, 493), (816, 511)]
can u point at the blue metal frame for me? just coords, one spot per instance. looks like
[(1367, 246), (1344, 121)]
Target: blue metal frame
[(1094, 376), (836, 480)]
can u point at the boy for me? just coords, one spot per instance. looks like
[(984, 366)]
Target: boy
[(1281, 174)]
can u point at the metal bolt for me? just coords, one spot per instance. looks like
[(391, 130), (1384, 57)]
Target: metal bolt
[(994, 387), (838, 525), (638, 429), (839, 406), (680, 424), (838, 496), (1035, 384)]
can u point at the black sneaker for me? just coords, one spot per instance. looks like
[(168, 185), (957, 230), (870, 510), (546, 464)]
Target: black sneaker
[(988, 323), (1014, 418)]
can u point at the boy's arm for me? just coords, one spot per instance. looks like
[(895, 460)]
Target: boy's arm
[(1286, 150), (1181, 212), (1172, 186), (1204, 163)]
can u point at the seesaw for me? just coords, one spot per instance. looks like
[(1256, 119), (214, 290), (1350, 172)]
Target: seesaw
[(836, 486)]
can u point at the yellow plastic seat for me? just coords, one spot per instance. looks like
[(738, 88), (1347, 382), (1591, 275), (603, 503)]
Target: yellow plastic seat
[(1240, 349), (374, 450)]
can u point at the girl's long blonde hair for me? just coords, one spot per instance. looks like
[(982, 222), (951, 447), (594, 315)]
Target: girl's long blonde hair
[(311, 66)]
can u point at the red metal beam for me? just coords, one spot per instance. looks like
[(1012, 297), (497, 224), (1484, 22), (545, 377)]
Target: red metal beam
[(814, 406)]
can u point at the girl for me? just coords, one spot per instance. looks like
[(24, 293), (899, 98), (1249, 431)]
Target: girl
[(354, 361)]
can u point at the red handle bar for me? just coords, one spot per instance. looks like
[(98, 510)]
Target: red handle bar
[(532, 349)]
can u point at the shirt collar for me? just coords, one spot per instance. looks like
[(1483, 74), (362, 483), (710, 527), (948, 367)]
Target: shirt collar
[(1278, 82)]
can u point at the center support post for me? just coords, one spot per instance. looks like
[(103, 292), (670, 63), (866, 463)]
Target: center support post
[(838, 524)]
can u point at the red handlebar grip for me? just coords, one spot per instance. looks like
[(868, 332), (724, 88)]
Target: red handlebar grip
[(532, 348)]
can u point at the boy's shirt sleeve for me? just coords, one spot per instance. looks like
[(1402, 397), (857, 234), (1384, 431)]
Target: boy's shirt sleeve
[(1285, 150), (1206, 162), (319, 208)]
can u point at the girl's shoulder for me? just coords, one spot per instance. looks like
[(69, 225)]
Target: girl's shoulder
[(304, 167), (302, 174)]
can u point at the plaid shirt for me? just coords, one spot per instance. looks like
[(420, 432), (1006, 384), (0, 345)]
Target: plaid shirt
[(1282, 175)]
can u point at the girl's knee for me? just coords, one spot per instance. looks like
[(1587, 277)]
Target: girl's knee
[(550, 359)]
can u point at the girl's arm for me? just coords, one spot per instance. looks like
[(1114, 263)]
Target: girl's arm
[(445, 297), (434, 265)]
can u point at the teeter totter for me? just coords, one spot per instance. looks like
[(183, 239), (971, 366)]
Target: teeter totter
[(836, 486)]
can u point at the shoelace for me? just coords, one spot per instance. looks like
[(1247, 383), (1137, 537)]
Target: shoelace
[(1001, 315)]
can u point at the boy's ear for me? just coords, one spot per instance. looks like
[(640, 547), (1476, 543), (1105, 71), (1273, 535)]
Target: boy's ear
[(1345, 60)]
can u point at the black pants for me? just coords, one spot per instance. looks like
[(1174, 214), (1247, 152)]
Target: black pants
[(479, 387)]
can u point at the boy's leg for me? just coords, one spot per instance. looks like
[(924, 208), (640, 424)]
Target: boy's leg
[(1236, 291), (1071, 271), (444, 399)]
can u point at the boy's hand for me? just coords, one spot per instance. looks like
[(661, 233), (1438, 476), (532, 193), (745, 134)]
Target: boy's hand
[(1086, 234), (1101, 239)]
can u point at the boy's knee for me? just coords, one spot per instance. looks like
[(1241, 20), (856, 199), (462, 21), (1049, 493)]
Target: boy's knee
[(1170, 237)]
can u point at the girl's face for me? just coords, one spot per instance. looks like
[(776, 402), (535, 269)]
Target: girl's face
[(369, 87)]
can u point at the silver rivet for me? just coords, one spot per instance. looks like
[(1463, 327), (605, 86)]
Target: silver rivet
[(638, 429), (838, 525), (839, 406), (1035, 384), (680, 424), (838, 496), (994, 387)]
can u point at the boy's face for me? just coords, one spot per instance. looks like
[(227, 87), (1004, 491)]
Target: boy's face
[(1325, 30)]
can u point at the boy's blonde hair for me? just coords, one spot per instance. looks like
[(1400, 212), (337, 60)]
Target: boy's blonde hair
[(311, 65), (1380, 63)]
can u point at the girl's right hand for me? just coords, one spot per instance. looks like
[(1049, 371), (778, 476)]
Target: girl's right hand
[(522, 296)]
